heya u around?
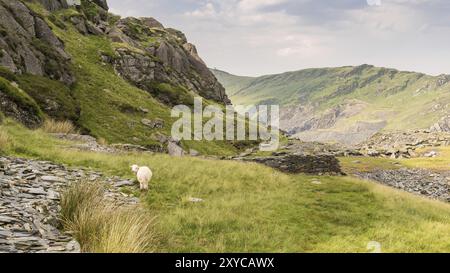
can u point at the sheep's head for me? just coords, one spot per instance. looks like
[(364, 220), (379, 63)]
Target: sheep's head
[(135, 168)]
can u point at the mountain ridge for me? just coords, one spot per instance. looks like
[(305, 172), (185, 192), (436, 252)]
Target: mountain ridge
[(346, 104)]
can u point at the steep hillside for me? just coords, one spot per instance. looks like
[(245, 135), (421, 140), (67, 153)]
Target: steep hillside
[(347, 104), (233, 83), (114, 78)]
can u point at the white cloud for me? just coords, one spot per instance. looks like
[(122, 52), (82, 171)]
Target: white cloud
[(268, 36), (207, 11), (251, 5)]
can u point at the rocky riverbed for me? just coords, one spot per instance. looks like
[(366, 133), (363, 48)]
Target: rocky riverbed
[(435, 185), (29, 204)]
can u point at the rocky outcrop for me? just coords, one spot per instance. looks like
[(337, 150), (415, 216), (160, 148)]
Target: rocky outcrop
[(29, 204), (158, 55), (28, 45)]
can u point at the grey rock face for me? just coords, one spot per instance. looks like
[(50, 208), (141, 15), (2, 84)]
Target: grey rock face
[(29, 204), (29, 45)]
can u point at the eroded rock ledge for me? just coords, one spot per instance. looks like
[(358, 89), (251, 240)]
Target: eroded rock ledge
[(29, 204)]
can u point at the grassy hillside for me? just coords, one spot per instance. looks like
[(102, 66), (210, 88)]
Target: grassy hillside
[(233, 83), (100, 102), (249, 207), (404, 100)]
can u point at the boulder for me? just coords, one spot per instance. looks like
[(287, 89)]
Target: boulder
[(174, 149), (193, 152), (151, 22), (154, 124)]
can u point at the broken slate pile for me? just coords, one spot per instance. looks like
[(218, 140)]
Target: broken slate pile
[(435, 185), (29, 204), (320, 164)]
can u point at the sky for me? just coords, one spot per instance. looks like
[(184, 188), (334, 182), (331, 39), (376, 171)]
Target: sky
[(259, 37)]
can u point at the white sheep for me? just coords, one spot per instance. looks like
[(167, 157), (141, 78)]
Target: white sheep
[(144, 175)]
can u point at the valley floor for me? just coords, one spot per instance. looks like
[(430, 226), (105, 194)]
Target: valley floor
[(251, 208)]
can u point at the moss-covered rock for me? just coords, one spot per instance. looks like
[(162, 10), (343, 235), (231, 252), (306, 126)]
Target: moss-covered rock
[(18, 105), (53, 97)]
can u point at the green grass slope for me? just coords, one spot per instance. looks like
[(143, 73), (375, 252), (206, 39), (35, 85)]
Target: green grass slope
[(233, 83), (253, 208)]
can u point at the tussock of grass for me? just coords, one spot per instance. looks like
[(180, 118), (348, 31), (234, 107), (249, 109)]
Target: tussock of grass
[(102, 228), (58, 127), (5, 141), (127, 231)]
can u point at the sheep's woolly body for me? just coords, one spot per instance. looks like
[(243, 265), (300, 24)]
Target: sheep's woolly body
[(144, 175)]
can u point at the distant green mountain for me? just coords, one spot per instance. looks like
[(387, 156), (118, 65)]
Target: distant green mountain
[(345, 104), (234, 83)]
